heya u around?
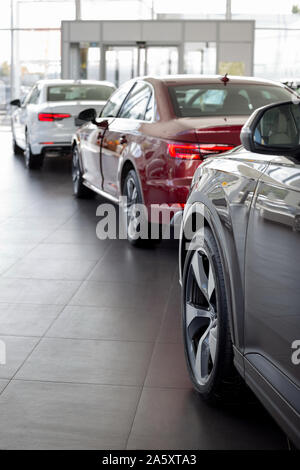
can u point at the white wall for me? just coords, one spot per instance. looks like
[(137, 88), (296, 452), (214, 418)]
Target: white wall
[(234, 39)]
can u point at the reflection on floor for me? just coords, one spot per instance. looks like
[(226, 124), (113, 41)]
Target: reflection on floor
[(92, 330)]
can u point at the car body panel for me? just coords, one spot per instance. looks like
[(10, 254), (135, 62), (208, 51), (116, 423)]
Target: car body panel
[(251, 202), (163, 179)]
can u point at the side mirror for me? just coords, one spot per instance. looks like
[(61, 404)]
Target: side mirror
[(16, 103), (273, 130), (87, 115)]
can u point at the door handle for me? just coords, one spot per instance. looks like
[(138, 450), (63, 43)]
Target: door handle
[(123, 139)]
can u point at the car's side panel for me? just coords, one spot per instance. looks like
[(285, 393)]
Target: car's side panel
[(273, 269), (260, 375), (90, 140)]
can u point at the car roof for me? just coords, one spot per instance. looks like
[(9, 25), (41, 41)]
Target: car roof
[(54, 82), (208, 79)]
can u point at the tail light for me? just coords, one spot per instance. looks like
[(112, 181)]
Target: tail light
[(50, 117), (185, 151), (196, 151)]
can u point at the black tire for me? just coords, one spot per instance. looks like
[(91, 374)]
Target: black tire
[(79, 189), (222, 382), (134, 196), (32, 161)]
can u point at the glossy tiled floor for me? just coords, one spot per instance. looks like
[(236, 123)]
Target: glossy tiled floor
[(92, 330)]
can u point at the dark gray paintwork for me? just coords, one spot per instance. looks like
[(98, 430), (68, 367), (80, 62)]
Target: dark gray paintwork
[(252, 203)]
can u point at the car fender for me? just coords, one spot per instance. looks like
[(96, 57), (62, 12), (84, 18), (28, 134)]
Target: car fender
[(233, 281)]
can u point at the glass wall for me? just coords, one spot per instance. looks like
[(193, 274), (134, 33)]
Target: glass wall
[(34, 35)]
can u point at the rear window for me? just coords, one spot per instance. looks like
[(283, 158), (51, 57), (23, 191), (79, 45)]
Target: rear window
[(218, 100), (79, 92)]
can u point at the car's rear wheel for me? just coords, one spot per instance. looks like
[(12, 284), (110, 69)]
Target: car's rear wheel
[(16, 149), (79, 189), (32, 161), (136, 220), (206, 331)]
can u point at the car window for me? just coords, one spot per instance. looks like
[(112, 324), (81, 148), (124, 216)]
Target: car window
[(86, 92), (136, 103), (34, 96), (113, 105), (217, 99)]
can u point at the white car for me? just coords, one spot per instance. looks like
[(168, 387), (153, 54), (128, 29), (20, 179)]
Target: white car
[(44, 122)]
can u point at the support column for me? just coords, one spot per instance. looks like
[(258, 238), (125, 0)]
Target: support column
[(78, 9)]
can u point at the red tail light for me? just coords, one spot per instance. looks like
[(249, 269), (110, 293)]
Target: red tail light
[(196, 151), (185, 151), (50, 117)]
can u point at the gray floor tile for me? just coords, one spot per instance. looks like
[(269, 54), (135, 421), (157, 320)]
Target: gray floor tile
[(106, 323), (38, 415), (121, 295), (3, 384), (64, 251), (33, 223), (54, 269), (6, 262), (37, 291), (9, 235), (17, 350), (168, 368), (74, 237), (87, 361), (17, 250), (171, 329), (26, 319), (178, 419), (115, 264)]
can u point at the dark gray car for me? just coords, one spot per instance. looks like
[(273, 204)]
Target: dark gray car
[(240, 268)]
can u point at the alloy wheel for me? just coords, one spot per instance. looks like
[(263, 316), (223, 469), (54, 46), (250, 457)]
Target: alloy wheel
[(130, 208), (201, 317), (27, 152), (75, 170)]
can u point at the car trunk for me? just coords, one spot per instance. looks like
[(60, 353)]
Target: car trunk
[(70, 107), (212, 130)]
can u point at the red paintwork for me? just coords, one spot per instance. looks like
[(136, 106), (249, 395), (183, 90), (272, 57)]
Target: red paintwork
[(163, 179)]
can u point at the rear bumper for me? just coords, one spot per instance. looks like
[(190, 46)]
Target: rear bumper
[(56, 150)]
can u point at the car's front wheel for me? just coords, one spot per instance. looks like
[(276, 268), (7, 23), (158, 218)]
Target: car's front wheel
[(206, 331), (79, 189)]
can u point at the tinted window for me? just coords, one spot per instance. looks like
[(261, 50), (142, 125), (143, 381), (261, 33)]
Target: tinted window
[(218, 100), (79, 92), (136, 104), (113, 105)]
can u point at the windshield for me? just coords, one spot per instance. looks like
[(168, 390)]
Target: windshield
[(219, 100), (79, 92)]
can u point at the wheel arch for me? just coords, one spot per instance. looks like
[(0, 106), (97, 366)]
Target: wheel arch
[(212, 221), (125, 167)]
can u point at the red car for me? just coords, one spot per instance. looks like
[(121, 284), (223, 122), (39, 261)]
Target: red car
[(154, 132)]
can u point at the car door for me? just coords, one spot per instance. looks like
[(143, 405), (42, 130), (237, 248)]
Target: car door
[(19, 118), (26, 114), (92, 135), (272, 277), (123, 133)]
